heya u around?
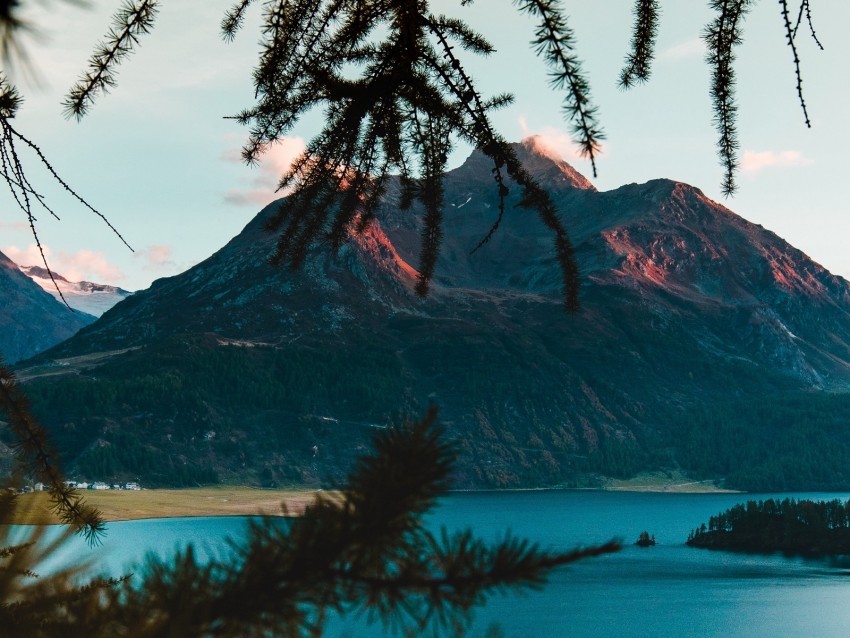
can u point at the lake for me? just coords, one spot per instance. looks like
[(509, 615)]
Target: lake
[(666, 590)]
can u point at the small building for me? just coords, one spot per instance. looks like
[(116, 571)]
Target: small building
[(132, 486), (38, 487), (98, 485)]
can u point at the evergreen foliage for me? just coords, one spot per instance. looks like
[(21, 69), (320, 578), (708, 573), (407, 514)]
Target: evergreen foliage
[(791, 526), (793, 442), (12, 167), (639, 60), (396, 102), (390, 77), (142, 415), (645, 540), (366, 550), (721, 37), (35, 453)]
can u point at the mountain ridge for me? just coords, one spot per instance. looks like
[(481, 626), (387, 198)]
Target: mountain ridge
[(684, 305), (31, 320), (85, 296)]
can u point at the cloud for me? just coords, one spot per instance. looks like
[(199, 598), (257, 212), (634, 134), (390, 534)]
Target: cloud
[(687, 49), (156, 258), (273, 163), (557, 140), (83, 265), (753, 162), (15, 226), (28, 256)]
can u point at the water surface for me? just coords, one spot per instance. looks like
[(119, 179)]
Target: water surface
[(669, 590)]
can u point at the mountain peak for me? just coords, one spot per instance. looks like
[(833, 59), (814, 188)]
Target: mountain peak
[(543, 161), (85, 296), (684, 305), (540, 159)]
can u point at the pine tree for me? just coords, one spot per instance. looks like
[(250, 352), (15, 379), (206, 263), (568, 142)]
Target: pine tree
[(391, 78), (395, 104), (365, 549)]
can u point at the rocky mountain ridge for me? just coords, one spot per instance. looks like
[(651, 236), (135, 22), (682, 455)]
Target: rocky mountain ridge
[(259, 374), (85, 296)]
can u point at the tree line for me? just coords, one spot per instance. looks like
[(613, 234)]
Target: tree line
[(795, 527)]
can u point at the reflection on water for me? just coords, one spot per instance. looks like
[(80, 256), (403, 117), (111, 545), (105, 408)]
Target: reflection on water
[(669, 590)]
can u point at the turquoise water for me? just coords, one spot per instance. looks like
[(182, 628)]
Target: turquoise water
[(667, 590)]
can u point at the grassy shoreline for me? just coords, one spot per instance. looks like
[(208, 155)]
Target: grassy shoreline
[(35, 508), (673, 482)]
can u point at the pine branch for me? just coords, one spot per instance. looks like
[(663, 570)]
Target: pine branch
[(555, 42), (367, 549), (233, 19), (805, 9), (639, 60), (33, 445), (67, 188), (398, 112), (132, 20), (721, 37), (13, 173), (789, 35)]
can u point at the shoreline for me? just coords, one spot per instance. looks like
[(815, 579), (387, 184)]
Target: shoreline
[(673, 482), (129, 505)]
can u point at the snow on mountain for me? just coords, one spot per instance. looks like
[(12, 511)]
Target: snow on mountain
[(85, 296)]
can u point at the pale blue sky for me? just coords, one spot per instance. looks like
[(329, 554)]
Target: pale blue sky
[(158, 158)]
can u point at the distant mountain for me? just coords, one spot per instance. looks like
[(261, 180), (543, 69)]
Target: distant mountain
[(88, 297), (705, 344), (30, 319)]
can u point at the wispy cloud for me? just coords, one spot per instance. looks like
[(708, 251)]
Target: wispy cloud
[(15, 226), (687, 49), (28, 256), (157, 258), (753, 162), (260, 189), (557, 140), (83, 265)]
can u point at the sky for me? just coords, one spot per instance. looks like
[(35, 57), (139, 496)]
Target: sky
[(158, 158)]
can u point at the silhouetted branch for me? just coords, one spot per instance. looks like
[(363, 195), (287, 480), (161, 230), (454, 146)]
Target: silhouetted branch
[(789, 34), (555, 42), (645, 31), (721, 37), (133, 19), (13, 173), (34, 449)]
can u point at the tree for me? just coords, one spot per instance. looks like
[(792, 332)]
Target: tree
[(390, 76), (365, 549), (396, 103)]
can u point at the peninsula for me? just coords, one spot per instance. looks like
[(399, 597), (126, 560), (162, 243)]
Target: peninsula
[(791, 526)]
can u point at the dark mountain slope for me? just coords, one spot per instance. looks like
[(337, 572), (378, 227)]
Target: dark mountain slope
[(261, 374), (30, 319)]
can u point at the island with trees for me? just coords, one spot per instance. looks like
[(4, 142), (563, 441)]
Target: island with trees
[(793, 527), (645, 540), (369, 550)]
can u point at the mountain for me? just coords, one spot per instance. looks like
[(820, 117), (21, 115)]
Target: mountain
[(85, 296), (30, 319), (705, 344)]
